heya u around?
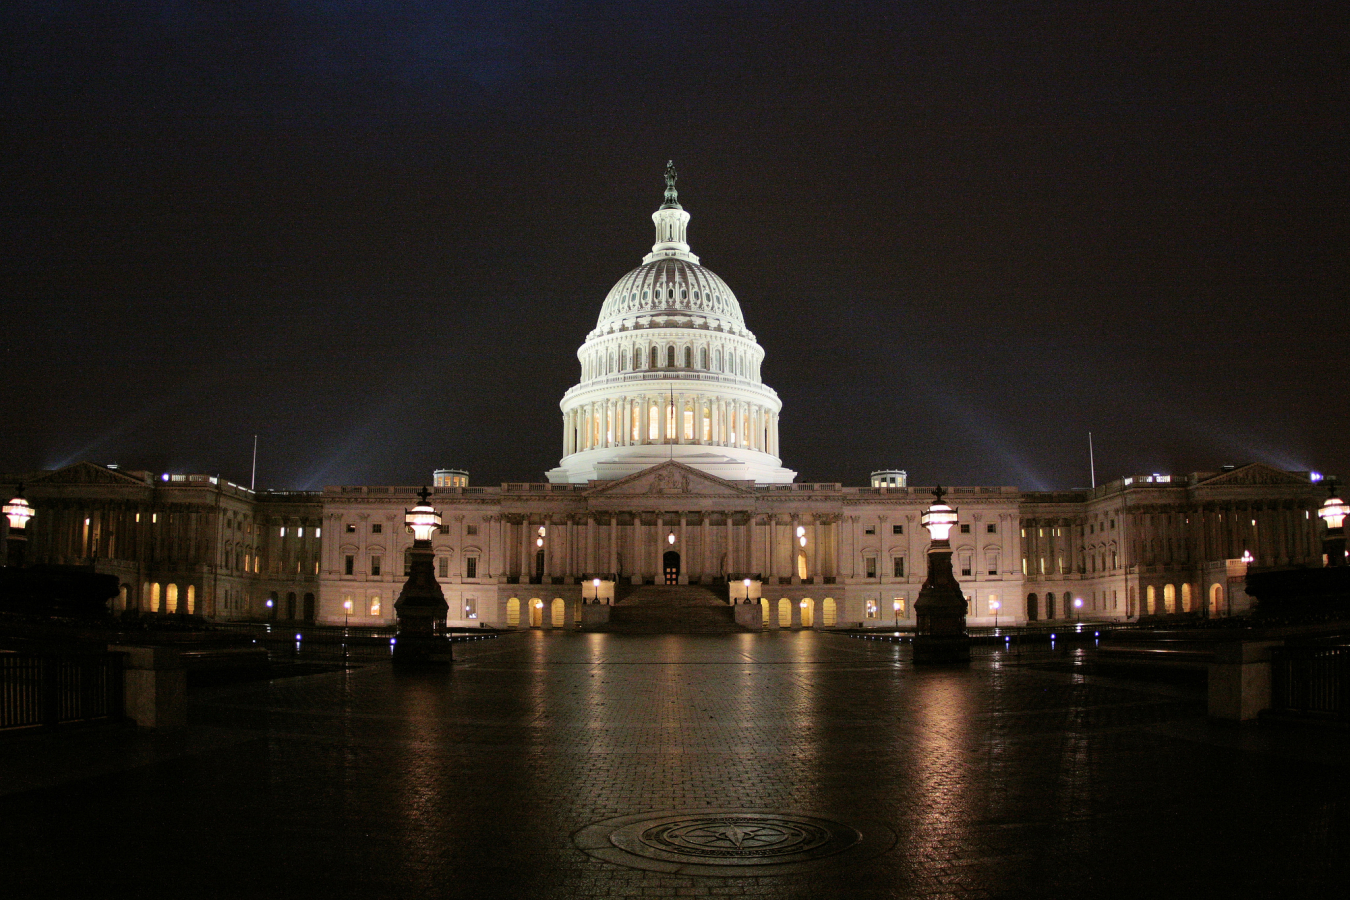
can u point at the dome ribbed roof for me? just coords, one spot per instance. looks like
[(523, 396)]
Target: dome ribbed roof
[(671, 287)]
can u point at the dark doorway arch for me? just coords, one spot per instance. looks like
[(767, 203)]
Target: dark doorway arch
[(290, 607), (309, 607), (671, 563), (1033, 608), (1049, 605)]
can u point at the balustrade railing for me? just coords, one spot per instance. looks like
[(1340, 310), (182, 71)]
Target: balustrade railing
[(46, 690), (1311, 679)]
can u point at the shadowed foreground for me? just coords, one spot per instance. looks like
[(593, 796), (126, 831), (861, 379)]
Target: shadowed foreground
[(1017, 777)]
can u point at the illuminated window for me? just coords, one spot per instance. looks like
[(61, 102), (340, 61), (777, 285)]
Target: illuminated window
[(283, 531), (870, 529), (470, 607), (300, 532), (375, 565), (375, 605), (471, 567), (349, 564), (871, 609), (898, 606), (318, 532)]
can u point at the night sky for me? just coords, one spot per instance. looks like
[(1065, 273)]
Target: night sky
[(966, 234)]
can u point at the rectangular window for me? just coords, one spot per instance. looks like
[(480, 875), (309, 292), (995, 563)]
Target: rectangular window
[(898, 607), (471, 567), (375, 565), (897, 529), (871, 567), (965, 568), (470, 607), (375, 605), (871, 609), (965, 528), (300, 532), (442, 567), (870, 529), (991, 528), (443, 529), (470, 529), (351, 528), (993, 571), (350, 565), (898, 566), (377, 528), (283, 531)]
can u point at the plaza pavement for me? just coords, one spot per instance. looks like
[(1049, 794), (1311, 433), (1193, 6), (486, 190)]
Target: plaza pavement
[(1018, 777)]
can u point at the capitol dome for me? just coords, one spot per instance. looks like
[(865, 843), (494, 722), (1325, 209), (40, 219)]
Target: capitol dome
[(670, 371)]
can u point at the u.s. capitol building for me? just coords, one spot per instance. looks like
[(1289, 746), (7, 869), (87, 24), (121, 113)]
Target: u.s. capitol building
[(671, 474)]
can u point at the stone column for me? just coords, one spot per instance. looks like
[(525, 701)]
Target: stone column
[(705, 550), (731, 546), (613, 543)]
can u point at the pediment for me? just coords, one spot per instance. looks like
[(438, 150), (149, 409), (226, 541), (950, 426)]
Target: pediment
[(87, 473), (670, 479), (1255, 473)]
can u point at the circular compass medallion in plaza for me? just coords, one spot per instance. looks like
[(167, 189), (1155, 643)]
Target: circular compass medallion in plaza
[(727, 841)]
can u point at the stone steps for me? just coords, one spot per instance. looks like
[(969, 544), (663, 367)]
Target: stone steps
[(672, 609)]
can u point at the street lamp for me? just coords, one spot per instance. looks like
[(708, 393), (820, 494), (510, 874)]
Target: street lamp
[(994, 604), (895, 605), (18, 512), (346, 611), (940, 611), (421, 606), (1333, 513), (1077, 605)]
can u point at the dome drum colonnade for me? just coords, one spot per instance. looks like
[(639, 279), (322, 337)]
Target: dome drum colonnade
[(670, 372)]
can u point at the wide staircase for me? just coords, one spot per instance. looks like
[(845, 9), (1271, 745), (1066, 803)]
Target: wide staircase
[(672, 609)]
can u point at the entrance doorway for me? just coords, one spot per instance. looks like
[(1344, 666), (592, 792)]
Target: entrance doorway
[(671, 563)]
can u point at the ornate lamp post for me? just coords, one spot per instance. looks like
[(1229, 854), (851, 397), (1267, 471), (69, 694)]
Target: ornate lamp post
[(940, 612), (996, 605), (421, 606), (1333, 513), (18, 512)]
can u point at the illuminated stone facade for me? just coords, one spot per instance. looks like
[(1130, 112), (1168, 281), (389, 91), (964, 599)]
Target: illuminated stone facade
[(671, 472)]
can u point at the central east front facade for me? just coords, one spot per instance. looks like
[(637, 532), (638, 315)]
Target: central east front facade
[(670, 473)]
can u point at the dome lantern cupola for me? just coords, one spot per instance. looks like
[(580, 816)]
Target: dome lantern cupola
[(671, 224)]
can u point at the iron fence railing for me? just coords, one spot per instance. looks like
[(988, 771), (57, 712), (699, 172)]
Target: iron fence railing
[(1311, 679), (46, 690)]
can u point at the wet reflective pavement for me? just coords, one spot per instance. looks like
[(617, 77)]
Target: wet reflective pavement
[(791, 765)]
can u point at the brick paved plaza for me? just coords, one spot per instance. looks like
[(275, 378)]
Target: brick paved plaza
[(1016, 777)]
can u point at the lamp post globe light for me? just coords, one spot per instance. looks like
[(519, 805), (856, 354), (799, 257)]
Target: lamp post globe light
[(940, 611), (18, 512), (1077, 605), (1332, 512), (421, 606)]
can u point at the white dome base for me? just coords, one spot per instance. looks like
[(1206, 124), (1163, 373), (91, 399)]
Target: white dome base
[(613, 463)]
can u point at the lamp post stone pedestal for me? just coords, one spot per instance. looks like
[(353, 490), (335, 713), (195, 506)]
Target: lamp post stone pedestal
[(421, 608), (940, 611)]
